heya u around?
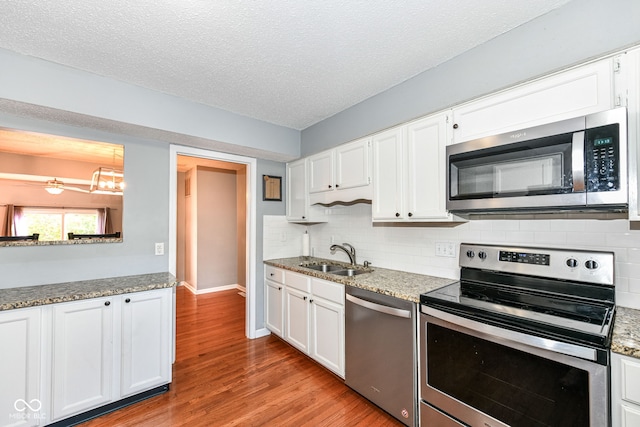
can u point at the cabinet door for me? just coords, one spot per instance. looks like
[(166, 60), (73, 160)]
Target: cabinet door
[(296, 191), (387, 175), (20, 397), (632, 66), (274, 297), (327, 334), (353, 165), (146, 341), (426, 168), (584, 90), (297, 318), (321, 172), (82, 356)]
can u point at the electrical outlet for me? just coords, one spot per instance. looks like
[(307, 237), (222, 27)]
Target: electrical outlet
[(446, 249), (159, 248)]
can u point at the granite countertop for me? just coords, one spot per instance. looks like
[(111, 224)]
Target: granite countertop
[(32, 296), (626, 332), (399, 284)]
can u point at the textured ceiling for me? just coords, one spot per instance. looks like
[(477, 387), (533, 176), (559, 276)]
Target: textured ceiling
[(288, 62)]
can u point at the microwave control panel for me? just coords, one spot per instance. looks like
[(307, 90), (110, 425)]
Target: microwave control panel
[(602, 152)]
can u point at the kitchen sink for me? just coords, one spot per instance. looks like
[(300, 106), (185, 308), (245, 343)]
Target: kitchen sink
[(325, 268), (349, 272), (339, 270)]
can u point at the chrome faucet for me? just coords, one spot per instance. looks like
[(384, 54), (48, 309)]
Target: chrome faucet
[(351, 252)]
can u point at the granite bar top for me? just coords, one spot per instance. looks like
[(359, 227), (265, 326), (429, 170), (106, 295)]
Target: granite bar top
[(626, 332), (32, 296), (399, 284)]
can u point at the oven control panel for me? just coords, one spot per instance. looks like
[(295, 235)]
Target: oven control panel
[(566, 264), (524, 257)]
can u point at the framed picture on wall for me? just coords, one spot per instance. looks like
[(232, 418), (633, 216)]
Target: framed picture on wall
[(271, 188)]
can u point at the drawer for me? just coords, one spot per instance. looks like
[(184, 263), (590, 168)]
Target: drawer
[(328, 290), (297, 281), (275, 274)]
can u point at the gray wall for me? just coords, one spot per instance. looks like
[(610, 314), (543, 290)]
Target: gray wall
[(580, 30), (145, 220)]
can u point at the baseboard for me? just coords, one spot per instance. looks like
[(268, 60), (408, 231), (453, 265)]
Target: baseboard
[(210, 290), (263, 332)]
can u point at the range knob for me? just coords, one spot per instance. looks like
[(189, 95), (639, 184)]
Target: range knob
[(591, 264), (572, 262), (470, 254), (482, 255)]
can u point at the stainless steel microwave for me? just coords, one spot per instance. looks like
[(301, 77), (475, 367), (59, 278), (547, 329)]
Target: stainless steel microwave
[(574, 164)]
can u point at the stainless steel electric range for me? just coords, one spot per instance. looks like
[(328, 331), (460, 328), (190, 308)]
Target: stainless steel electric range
[(521, 340)]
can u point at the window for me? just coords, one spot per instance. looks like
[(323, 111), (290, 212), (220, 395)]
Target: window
[(55, 223)]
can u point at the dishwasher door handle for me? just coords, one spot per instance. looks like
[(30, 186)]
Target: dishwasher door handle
[(398, 312)]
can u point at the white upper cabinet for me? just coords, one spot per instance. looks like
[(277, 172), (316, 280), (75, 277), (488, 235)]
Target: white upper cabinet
[(578, 91), (299, 208), (342, 174), (409, 170), (632, 81)]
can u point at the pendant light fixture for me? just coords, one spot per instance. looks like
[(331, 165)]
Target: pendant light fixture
[(107, 181), (54, 186)]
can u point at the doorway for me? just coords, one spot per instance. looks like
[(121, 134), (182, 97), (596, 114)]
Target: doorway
[(231, 162)]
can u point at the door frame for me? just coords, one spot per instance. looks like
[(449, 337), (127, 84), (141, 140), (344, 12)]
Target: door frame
[(251, 163)]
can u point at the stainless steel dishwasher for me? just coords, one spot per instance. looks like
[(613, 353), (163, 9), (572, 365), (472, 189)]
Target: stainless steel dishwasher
[(381, 355)]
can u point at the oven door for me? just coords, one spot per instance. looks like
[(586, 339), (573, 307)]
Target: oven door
[(479, 378)]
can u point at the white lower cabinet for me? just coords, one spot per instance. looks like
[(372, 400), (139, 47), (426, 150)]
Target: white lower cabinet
[(21, 397), (327, 324), (146, 341), (311, 312), (297, 318), (68, 358), (625, 391), (83, 356)]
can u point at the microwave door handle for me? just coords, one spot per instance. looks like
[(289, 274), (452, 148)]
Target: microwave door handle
[(577, 161)]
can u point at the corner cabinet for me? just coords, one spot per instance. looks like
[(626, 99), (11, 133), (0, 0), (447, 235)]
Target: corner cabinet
[(409, 172), (625, 391), (582, 90), (342, 174), (308, 313), (299, 208)]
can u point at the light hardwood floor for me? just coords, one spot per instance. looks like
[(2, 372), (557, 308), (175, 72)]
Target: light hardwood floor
[(221, 378)]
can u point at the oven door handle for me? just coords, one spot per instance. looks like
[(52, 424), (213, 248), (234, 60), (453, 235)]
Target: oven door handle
[(513, 336), (378, 307), (577, 161)]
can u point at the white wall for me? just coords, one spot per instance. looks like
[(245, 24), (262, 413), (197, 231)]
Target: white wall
[(413, 248)]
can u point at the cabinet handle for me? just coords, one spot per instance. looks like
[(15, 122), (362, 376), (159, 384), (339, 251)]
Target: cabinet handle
[(455, 126), (304, 298), (310, 301), (337, 186), (107, 303), (397, 215), (279, 288), (128, 300), (303, 217), (410, 214), (272, 274), (330, 186)]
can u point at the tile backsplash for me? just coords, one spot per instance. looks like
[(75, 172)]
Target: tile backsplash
[(413, 249)]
